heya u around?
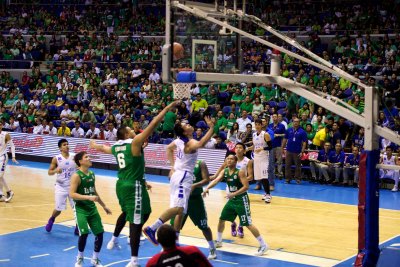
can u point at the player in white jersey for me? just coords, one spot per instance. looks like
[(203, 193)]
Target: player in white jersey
[(389, 159), (5, 139), (64, 166), (261, 146), (243, 163), (181, 174)]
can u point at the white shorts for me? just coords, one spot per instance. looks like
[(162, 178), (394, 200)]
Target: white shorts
[(260, 166), (389, 174), (3, 163), (181, 185), (61, 196)]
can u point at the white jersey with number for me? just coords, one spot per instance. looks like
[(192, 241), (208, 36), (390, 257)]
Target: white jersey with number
[(3, 144), (184, 161), (243, 165), (68, 168), (259, 142)]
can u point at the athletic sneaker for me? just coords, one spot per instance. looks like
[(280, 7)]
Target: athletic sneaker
[(233, 229), (268, 199), (10, 195), (132, 265), (151, 235), (2, 198), (79, 262), (240, 231), (96, 263), (218, 244), (49, 224), (213, 254), (264, 196), (112, 244), (395, 189), (261, 250)]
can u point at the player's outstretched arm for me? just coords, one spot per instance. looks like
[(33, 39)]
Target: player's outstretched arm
[(193, 145), (142, 137), (103, 148), (213, 183), (223, 166), (106, 209)]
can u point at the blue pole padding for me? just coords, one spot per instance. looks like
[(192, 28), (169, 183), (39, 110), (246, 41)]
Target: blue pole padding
[(372, 210), (186, 77)]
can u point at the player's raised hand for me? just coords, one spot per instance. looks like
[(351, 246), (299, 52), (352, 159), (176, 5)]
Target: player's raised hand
[(209, 122), (92, 144), (174, 104)]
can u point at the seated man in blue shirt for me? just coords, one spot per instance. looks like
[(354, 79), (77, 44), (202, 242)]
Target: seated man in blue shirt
[(351, 165), (322, 160), (335, 162)]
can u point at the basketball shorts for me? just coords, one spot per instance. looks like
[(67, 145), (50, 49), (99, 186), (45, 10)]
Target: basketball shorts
[(85, 219), (180, 187), (134, 200), (61, 195), (196, 212), (238, 206), (3, 163), (260, 166)]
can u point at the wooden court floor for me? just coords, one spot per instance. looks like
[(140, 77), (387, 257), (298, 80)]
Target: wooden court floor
[(293, 225)]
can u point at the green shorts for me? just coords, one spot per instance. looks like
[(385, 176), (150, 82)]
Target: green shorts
[(196, 212), (134, 200), (239, 206), (85, 219)]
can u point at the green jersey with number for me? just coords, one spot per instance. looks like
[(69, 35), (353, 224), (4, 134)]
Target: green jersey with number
[(197, 178), (87, 188), (233, 181), (130, 168)]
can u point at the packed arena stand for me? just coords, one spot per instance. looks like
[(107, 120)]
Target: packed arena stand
[(91, 71)]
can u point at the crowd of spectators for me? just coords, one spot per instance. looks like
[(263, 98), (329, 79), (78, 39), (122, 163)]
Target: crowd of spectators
[(92, 84)]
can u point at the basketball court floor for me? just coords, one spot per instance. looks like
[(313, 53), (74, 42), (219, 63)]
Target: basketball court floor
[(305, 225)]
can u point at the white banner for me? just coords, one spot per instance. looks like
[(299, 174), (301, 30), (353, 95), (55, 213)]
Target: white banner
[(155, 154)]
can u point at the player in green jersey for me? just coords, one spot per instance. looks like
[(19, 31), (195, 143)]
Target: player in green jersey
[(83, 192), (196, 208), (131, 186), (238, 202)]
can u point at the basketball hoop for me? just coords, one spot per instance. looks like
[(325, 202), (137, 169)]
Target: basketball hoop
[(182, 90)]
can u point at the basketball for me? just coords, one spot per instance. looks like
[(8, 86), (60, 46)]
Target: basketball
[(178, 51)]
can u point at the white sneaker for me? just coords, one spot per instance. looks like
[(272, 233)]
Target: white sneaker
[(264, 196), (218, 244), (213, 254), (79, 262), (395, 189), (132, 265), (96, 263), (9, 196), (112, 244), (268, 199), (2, 198), (261, 250)]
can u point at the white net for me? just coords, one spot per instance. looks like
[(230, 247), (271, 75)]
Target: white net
[(181, 90)]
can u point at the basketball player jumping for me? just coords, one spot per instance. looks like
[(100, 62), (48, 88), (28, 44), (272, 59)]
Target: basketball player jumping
[(181, 175)]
